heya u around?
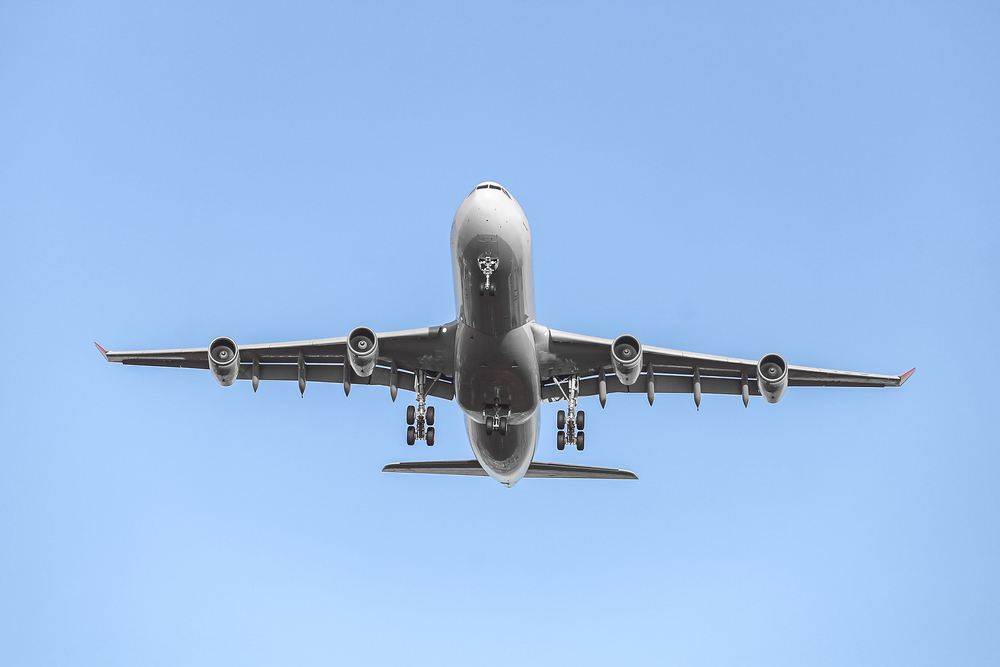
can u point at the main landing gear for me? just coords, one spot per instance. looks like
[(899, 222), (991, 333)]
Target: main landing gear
[(488, 265), (420, 419), (496, 417), (571, 420)]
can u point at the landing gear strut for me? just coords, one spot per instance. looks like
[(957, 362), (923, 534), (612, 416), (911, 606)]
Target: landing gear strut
[(420, 419), (571, 420), (496, 417), (488, 265)]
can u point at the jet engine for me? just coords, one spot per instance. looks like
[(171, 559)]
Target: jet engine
[(626, 357), (362, 351), (772, 377), (224, 360)]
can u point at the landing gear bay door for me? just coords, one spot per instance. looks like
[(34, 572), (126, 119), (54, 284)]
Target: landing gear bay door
[(494, 294)]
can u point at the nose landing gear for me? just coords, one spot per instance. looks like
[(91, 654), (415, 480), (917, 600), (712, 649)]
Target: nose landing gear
[(488, 265), (420, 419), (571, 420)]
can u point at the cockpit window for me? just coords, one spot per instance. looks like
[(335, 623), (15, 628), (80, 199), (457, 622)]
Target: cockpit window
[(491, 186)]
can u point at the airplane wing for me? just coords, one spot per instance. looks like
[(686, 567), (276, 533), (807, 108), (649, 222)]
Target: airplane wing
[(400, 353), (665, 371)]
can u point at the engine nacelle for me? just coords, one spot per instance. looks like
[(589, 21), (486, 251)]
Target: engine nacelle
[(626, 357), (224, 360), (772, 377), (362, 351)]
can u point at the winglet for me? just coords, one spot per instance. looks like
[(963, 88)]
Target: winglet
[(906, 376), (104, 353)]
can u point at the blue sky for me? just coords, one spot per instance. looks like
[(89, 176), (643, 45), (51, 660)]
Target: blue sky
[(820, 181)]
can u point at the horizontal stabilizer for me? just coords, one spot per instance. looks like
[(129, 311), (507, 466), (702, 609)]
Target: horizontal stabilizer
[(537, 469), (438, 468), (568, 471)]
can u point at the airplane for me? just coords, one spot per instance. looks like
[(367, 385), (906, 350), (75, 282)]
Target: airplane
[(497, 362)]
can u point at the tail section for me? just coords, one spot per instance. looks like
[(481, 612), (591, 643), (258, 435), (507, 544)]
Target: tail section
[(538, 469)]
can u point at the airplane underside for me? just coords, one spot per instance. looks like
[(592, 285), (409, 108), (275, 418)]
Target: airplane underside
[(497, 362)]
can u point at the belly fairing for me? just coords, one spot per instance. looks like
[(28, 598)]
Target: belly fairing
[(497, 370)]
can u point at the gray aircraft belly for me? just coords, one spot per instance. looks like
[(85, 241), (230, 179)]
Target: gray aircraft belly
[(496, 362)]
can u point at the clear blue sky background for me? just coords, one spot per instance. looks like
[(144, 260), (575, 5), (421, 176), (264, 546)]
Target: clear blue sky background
[(731, 179)]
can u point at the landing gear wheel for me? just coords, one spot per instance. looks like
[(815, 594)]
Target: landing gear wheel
[(411, 415), (579, 442), (489, 426), (430, 437), (430, 416), (560, 441), (560, 420), (503, 426), (493, 290), (580, 419), (482, 289), (411, 435)]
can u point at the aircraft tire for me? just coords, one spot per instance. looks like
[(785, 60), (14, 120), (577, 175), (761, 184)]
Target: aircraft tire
[(560, 441), (579, 442), (503, 426), (411, 435), (561, 420), (580, 420), (430, 416), (430, 437), (411, 415)]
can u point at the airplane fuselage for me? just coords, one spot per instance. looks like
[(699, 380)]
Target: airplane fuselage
[(496, 361)]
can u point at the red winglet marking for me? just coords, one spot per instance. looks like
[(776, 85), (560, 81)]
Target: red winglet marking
[(906, 376), (104, 353)]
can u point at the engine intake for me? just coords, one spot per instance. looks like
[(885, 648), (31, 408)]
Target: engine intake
[(772, 377), (626, 357), (224, 360), (362, 351)]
